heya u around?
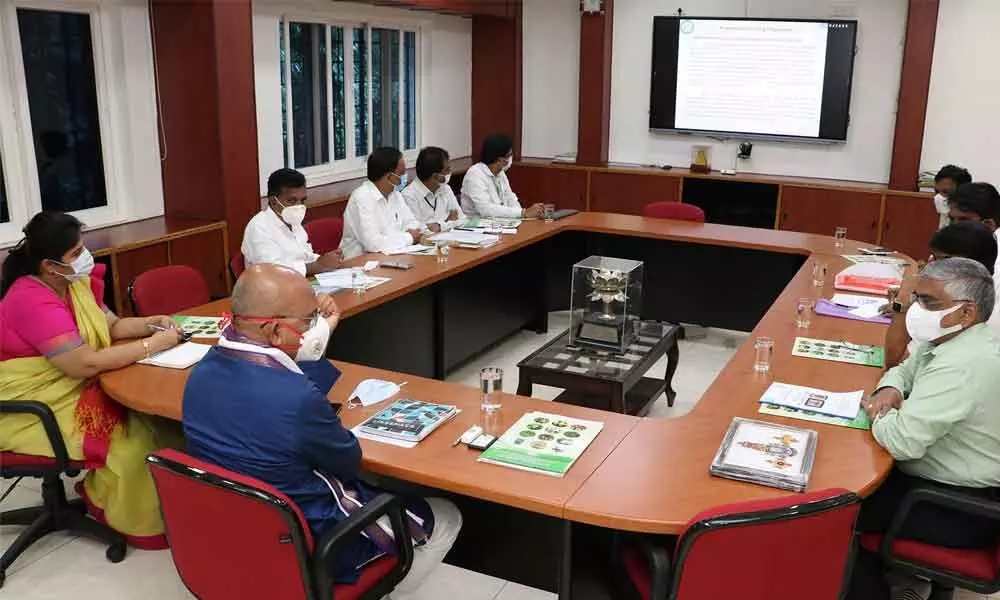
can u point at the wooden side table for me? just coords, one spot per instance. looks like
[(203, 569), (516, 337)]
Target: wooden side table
[(605, 380)]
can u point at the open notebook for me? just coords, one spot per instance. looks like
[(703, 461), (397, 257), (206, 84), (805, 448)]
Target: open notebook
[(178, 357)]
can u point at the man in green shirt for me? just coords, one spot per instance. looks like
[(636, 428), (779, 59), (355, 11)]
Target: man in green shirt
[(938, 413)]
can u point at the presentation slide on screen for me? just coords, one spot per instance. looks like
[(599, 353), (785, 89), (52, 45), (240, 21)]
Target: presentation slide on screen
[(751, 76)]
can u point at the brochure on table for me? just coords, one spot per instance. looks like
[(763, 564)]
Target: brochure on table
[(199, 327), (342, 279), (858, 422), (844, 405), (407, 420), (845, 352), (543, 443), (766, 453)]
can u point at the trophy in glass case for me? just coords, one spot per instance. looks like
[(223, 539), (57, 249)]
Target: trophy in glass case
[(606, 303)]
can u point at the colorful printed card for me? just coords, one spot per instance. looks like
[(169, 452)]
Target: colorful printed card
[(199, 327), (845, 352)]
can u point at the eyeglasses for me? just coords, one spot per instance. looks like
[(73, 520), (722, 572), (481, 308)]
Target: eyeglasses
[(932, 303)]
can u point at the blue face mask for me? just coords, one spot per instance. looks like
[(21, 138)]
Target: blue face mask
[(403, 180)]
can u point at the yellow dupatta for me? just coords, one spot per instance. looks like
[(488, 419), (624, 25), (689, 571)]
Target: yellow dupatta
[(35, 378)]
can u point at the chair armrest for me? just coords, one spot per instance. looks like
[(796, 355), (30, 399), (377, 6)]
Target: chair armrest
[(49, 423), (336, 537), (956, 501)]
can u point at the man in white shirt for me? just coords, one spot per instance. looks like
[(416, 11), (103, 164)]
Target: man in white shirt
[(377, 219), (979, 202), (486, 191), (275, 234), (429, 197)]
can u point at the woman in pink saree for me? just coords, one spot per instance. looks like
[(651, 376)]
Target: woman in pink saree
[(56, 335)]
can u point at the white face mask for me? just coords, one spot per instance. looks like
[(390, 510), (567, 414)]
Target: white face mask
[(312, 344), (941, 204), (293, 215), (82, 266), (507, 165), (925, 325), (446, 179)]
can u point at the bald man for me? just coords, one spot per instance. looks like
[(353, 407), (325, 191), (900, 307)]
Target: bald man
[(258, 404)]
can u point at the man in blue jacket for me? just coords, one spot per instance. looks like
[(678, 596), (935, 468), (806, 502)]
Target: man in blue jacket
[(257, 405)]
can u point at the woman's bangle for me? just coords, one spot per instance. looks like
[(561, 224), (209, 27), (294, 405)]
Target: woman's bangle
[(145, 347)]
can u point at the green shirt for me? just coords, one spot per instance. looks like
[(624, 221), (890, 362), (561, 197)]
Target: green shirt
[(948, 427)]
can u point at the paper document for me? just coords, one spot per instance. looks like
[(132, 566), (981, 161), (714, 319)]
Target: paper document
[(868, 311), (385, 440), (413, 248), (854, 300), (838, 404), (341, 279), (178, 357), (470, 238), (879, 260)]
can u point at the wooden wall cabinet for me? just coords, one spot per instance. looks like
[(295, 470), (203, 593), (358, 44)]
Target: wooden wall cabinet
[(910, 221), (628, 193), (821, 210), (566, 188)]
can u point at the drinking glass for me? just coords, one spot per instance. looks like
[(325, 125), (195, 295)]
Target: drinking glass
[(803, 313), (442, 250), (763, 349), (491, 384), (819, 274), (359, 280), (839, 236), (548, 212)]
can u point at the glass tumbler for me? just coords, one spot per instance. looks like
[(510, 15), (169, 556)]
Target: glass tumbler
[(491, 384), (763, 350)]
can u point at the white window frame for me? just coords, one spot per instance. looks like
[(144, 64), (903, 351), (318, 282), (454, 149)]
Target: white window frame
[(355, 166), (131, 168)]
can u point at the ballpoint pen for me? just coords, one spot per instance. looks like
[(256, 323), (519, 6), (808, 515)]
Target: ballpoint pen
[(185, 335)]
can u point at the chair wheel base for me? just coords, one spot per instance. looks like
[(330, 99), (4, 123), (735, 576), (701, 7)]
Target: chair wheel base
[(116, 552)]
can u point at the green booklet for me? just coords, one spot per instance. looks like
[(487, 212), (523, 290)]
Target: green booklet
[(199, 327), (846, 352), (859, 422), (542, 443)]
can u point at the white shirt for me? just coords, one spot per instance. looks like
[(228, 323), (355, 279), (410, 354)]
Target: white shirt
[(487, 195), (432, 207), (374, 223), (268, 239), (994, 321)]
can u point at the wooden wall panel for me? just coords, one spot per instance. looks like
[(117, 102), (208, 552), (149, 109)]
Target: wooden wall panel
[(822, 210), (493, 8), (496, 79), (566, 188), (130, 264), (596, 32), (204, 252), (914, 85), (332, 209), (909, 223), (628, 193)]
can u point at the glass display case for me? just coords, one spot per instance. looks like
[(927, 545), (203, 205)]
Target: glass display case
[(605, 303)]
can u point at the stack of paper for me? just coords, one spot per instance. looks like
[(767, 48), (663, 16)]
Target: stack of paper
[(871, 278), (765, 453), (466, 239), (342, 279), (178, 357), (412, 249), (407, 420), (844, 405)]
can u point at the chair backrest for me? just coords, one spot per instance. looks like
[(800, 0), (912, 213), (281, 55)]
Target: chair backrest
[(231, 536), (168, 290), (237, 264), (799, 546), (674, 210), (324, 234)]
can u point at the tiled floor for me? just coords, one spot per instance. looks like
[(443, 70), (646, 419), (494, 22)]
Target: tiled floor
[(61, 566)]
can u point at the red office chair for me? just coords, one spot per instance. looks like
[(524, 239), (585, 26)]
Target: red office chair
[(167, 291), (947, 568), (235, 537), (237, 264), (793, 547), (56, 512), (677, 211), (325, 234)]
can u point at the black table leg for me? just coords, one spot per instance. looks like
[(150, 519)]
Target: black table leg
[(566, 563), (524, 387), (673, 357)]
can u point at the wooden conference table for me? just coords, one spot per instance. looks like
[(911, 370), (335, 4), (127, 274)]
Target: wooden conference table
[(646, 475)]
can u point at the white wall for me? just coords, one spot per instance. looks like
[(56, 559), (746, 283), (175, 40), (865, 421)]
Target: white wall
[(551, 77), (865, 156), (963, 121), (445, 64)]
